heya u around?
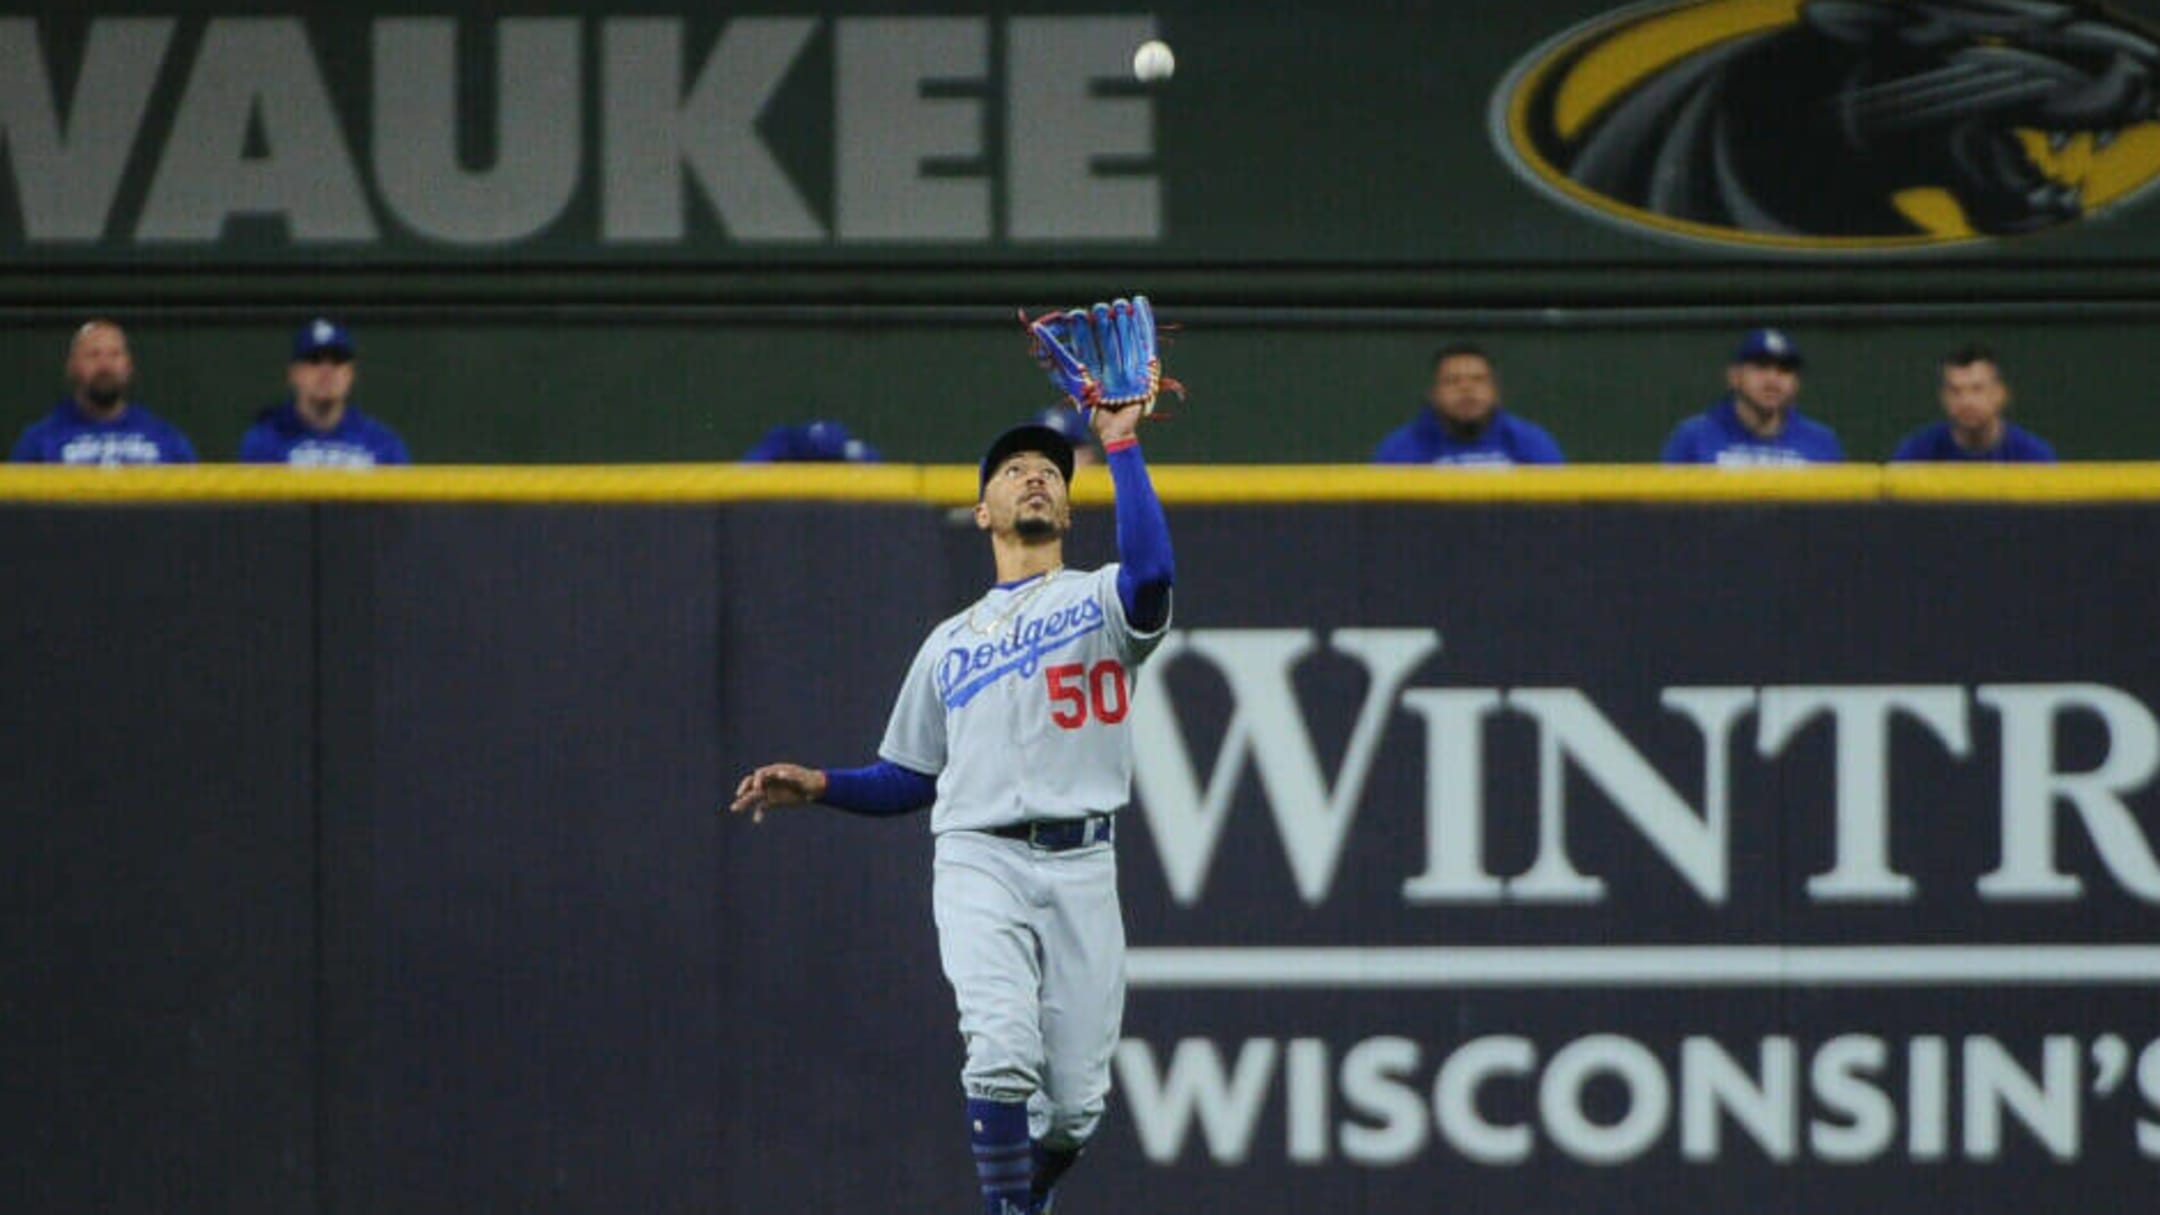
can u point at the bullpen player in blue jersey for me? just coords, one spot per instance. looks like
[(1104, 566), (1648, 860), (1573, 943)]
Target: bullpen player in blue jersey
[(1462, 422), (96, 423), (1974, 430), (1069, 422), (319, 426), (1014, 722), (819, 442), (1757, 422)]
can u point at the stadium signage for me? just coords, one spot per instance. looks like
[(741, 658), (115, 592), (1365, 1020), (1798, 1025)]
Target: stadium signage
[(1314, 811), (1837, 126), (1632, 1036), (261, 127), (1848, 1099)]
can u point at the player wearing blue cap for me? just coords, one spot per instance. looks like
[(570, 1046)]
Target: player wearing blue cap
[(1974, 397), (1014, 723), (1067, 421), (1757, 422), (816, 442), (319, 426), (96, 423), (1462, 422)]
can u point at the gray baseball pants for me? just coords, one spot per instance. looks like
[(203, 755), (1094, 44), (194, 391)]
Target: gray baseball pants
[(1033, 944)]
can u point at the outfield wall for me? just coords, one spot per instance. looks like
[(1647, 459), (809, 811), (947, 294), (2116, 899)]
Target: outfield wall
[(1771, 846)]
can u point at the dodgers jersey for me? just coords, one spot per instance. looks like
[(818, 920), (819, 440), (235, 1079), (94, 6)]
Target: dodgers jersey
[(1505, 440), (68, 436), (281, 436), (1718, 436), (2017, 446), (1020, 704)]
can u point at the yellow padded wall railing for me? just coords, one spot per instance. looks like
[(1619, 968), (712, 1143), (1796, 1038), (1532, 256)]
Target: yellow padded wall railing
[(950, 485)]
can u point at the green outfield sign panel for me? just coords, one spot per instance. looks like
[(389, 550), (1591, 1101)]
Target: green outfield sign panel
[(1559, 132)]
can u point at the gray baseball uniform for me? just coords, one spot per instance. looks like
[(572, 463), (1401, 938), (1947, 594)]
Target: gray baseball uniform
[(1019, 705)]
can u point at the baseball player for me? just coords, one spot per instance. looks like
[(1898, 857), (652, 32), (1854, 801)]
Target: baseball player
[(1757, 422), (1973, 428), (1462, 422), (1012, 722), (319, 426)]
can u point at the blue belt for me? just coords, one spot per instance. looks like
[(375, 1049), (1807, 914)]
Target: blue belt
[(1062, 834)]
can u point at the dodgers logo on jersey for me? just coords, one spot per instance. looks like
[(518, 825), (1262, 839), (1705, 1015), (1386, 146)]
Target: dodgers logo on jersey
[(1753, 456), (330, 453), (110, 449), (1838, 126), (966, 670)]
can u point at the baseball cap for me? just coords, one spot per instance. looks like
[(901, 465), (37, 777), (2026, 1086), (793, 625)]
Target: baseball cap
[(1030, 436), (319, 335), (811, 442), (1767, 346)]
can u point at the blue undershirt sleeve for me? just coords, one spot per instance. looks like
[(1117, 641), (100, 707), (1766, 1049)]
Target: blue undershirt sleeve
[(1145, 565), (882, 790)]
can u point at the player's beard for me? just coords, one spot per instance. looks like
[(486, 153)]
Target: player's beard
[(104, 392), (1038, 519)]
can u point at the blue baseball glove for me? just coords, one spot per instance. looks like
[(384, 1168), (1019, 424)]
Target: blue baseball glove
[(1102, 357)]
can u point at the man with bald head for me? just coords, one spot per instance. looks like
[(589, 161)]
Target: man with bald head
[(96, 423)]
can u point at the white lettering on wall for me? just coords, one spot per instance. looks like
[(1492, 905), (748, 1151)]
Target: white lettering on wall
[(67, 173), (651, 130), (889, 132), (1055, 192), (1862, 718), (1571, 728), (538, 141), (1608, 1099), (1194, 1089), (1995, 1084), (262, 131), (1266, 730), (256, 75), (2033, 787), (1313, 813)]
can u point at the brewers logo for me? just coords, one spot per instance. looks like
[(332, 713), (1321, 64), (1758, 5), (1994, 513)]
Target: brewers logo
[(1839, 125)]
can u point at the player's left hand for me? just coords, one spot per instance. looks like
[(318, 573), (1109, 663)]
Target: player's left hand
[(1113, 425), (775, 785), (1103, 358)]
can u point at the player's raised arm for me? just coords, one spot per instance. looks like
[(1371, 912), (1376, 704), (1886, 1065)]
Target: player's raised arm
[(1132, 376), (1106, 362), (1146, 568)]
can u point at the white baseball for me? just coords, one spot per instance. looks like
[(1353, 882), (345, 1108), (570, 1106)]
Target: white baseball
[(1153, 61)]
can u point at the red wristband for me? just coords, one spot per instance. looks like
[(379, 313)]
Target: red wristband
[(1121, 444)]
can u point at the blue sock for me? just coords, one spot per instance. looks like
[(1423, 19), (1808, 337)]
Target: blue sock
[(1050, 1165), (999, 1131)]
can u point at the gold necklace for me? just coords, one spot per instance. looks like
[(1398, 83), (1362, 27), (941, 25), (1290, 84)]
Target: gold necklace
[(1014, 606)]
